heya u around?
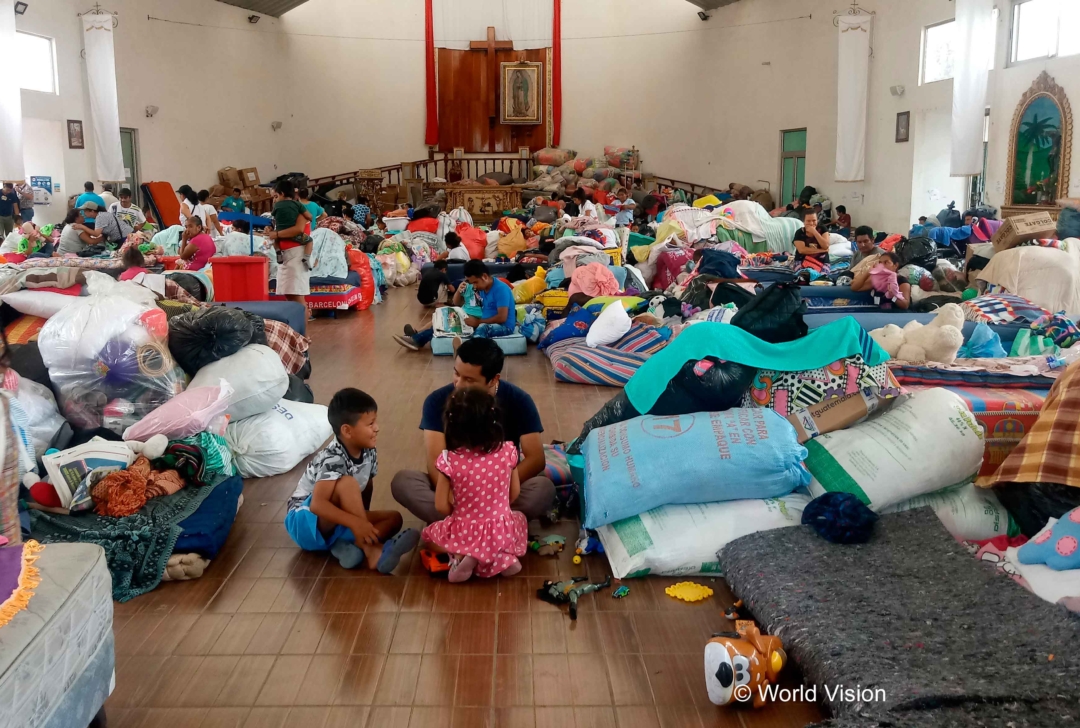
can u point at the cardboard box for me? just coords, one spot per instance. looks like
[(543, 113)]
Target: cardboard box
[(249, 177), (215, 201), (229, 178), (1021, 228), (255, 194), (836, 414)]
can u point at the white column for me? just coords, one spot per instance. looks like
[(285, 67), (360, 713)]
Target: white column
[(974, 48), (11, 133), (853, 78), (104, 108)]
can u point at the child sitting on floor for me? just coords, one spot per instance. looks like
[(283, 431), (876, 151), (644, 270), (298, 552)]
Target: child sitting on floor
[(454, 249), (133, 263), (478, 481), (329, 508)]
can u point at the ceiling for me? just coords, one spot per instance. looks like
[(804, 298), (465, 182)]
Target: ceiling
[(273, 8), (277, 8)]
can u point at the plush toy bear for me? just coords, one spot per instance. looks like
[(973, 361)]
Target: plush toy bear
[(937, 341)]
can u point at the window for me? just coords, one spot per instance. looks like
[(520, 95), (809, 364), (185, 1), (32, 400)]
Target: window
[(938, 52), (977, 187), (37, 62), (1045, 28)]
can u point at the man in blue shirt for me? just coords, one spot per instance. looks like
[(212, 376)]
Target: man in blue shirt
[(479, 363), (90, 196), (498, 313), (9, 209)]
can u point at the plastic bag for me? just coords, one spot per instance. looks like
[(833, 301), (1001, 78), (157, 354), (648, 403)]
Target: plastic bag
[(187, 414), (697, 387), (775, 314), (44, 417), (209, 334), (256, 375), (112, 345), (984, 343), (276, 441)]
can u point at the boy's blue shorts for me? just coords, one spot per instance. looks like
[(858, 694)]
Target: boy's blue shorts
[(303, 527)]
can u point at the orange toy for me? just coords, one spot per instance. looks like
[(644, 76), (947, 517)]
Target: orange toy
[(738, 665)]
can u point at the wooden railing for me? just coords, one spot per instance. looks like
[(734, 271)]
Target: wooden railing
[(441, 166)]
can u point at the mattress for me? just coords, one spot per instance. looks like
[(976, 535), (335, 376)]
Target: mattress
[(50, 650), (287, 312), (353, 279), (1005, 416), (871, 320), (574, 362), (513, 345), (205, 530), (163, 203), (338, 300)]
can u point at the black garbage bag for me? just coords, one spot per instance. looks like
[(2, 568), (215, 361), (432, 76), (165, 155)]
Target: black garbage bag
[(696, 388), (191, 284), (920, 251), (950, 217), (1033, 504), (26, 360), (775, 314), (207, 335), (298, 391), (258, 328)]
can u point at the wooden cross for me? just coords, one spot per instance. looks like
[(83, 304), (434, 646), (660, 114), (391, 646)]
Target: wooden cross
[(489, 46)]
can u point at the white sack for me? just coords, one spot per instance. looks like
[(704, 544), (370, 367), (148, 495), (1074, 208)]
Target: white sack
[(256, 375), (276, 441)]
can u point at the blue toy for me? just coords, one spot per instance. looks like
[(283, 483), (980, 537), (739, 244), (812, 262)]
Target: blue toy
[(621, 592), (586, 544), (1057, 547)]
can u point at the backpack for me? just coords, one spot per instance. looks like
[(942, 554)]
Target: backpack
[(730, 293), (775, 315), (920, 251)]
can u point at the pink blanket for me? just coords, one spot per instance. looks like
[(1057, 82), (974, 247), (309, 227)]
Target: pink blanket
[(594, 279)]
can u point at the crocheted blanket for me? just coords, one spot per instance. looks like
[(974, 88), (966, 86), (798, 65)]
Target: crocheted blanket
[(137, 547)]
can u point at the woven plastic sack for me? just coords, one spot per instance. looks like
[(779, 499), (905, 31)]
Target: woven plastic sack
[(706, 457), (276, 441), (256, 375), (553, 156)]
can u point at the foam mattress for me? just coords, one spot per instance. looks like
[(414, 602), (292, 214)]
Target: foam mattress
[(56, 656)]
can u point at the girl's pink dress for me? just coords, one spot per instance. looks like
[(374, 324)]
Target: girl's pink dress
[(482, 524)]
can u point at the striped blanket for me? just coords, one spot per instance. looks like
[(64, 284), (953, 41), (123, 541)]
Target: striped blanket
[(607, 366), (1050, 452)]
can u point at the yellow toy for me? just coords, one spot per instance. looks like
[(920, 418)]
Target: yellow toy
[(688, 591), (525, 291)]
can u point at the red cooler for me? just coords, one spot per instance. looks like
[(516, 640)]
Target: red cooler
[(241, 278)]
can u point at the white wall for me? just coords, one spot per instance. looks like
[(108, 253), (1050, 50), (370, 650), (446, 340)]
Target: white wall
[(214, 85), (931, 186), (44, 142)]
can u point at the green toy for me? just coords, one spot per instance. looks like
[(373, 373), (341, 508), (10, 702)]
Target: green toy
[(568, 592), (547, 545), (621, 592)]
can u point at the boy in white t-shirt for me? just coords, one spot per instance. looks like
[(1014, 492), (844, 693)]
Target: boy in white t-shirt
[(454, 249)]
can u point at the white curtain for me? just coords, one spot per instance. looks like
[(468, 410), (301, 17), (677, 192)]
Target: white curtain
[(525, 22), (853, 79), (974, 48), (104, 109), (11, 134)]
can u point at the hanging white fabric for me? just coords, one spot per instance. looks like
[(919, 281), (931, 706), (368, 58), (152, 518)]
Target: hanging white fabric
[(104, 108), (11, 132), (528, 23), (974, 48), (853, 80)]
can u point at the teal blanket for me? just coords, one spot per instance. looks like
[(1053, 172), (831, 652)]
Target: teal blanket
[(839, 339), (137, 547)]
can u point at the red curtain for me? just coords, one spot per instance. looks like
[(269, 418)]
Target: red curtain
[(431, 133), (556, 73)]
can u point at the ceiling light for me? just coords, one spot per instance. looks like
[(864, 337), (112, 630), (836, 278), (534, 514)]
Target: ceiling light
[(253, 19), (20, 8)]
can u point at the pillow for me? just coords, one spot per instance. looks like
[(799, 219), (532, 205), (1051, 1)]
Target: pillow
[(610, 326), (575, 325), (45, 304)]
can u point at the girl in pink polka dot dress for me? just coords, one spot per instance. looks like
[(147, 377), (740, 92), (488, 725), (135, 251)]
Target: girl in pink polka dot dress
[(477, 482)]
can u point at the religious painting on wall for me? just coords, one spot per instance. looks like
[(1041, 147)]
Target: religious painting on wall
[(1040, 145), (522, 93)]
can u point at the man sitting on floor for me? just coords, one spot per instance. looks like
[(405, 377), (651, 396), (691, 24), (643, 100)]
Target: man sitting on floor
[(864, 242), (498, 314), (479, 363)]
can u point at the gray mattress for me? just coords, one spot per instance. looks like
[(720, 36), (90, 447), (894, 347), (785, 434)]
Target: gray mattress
[(56, 656), (910, 612)]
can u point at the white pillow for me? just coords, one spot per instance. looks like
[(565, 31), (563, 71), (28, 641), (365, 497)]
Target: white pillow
[(39, 303), (610, 326)]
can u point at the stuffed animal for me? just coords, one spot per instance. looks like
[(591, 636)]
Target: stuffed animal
[(738, 665), (525, 291), (152, 448), (937, 341)]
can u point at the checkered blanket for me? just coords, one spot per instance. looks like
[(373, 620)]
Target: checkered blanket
[(1001, 308), (1050, 452), (289, 345)]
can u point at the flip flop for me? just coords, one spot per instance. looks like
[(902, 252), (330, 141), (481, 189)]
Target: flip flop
[(395, 548)]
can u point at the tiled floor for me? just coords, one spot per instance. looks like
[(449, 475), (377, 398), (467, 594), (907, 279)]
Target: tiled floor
[(272, 637)]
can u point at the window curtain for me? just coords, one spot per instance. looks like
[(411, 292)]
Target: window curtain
[(853, 80), (528, 23), (104, 109), (974, 48), (11, 133)]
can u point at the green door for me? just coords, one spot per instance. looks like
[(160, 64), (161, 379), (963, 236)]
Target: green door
[(792, 165), (129, 144)]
